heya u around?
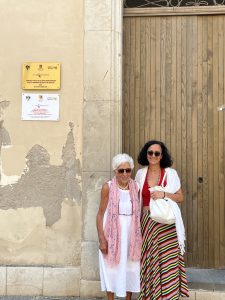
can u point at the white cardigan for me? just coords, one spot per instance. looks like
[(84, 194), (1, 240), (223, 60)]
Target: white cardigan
[(172, 186)]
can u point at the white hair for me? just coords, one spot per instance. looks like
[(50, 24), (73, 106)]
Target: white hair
[(120, 159)]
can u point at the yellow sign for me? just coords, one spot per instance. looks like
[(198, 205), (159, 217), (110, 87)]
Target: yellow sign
[(41, 76)]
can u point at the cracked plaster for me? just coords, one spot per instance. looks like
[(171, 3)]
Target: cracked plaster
[(45, 185)]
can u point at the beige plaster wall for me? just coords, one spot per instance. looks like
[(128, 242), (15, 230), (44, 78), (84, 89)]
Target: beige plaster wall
[(40, 192), (48, 198)]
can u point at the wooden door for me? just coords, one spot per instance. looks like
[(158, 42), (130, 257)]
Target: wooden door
[(173, 83)]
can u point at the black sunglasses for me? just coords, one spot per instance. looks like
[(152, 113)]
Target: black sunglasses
[(157, 153), (121, 171)]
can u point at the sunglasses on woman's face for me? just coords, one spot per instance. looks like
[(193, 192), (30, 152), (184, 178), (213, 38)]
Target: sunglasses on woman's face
[(121, 171), (156, 153)]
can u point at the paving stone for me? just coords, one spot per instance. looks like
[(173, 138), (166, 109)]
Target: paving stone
[(206, 279)]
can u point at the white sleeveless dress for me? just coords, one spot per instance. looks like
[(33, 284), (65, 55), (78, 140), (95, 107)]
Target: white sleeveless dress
[(126, 275)]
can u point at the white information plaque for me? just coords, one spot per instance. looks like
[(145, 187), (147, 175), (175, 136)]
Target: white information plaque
[(40, 107)]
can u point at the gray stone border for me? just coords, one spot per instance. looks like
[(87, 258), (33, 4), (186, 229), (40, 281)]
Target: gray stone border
[(102, 122)]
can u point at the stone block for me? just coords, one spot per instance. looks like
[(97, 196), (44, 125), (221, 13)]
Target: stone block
[(89, 261), (117, 15), (116, 132), (61, 282), (192, 295), (91, 289), (209, 295), (2, 281), (24, 281), (97, 139), (102, 9), (97, 70), (116, 72)]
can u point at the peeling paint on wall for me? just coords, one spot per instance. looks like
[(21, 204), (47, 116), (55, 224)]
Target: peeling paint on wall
[(5, 141), (71, 166), (4, 136), (45, 185)]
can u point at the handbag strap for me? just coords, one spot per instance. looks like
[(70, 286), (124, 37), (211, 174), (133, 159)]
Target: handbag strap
[(164, 177)]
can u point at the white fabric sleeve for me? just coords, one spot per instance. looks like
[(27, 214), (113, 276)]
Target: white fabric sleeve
[(137, 176), (173, 181)]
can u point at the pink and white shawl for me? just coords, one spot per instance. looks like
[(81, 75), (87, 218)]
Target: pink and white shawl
[(112, 229)]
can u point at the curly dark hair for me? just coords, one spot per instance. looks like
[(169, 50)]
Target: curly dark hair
[(166, 160)]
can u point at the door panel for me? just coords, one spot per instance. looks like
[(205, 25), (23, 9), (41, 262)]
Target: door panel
[(173, 83)]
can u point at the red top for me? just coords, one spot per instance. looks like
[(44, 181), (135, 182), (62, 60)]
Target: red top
[(145, 191)]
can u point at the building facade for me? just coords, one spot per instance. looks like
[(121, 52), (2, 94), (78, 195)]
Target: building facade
[(52, 171)]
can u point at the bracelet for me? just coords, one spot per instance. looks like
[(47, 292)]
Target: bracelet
[(164, 195)]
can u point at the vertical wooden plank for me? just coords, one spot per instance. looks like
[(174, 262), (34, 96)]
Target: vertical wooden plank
[(143, 84), (148, 80), (215, 96), (163, 79), (210, 144), (222, 213), (200, 239), (132, 85), (184, 133), (126, 83), (152, 124), (178, 96), (221, 97), (168, 67), (179, 108), (137, 87), (194, 96), (189, 136), (157, 78), (205, 138), (173, 100)]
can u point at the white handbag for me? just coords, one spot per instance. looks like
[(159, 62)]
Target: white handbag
[(160, 209)]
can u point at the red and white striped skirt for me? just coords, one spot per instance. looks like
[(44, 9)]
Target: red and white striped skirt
[(163, 276)]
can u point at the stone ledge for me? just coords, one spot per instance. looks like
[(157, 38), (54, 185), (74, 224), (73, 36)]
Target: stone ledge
[(56, 283), (194, 295), (24, 281), (39, 281), (61, 282), (206, 279), (207, 295), (91, 289)]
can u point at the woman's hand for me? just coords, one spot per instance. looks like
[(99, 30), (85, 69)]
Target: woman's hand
[(157, 195), (176, 197), (103, 246)]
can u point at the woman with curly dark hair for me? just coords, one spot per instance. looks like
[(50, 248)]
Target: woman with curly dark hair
[(163, 275)]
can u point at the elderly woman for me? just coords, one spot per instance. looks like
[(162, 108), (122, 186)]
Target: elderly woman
[(119, 232), (163, 274)]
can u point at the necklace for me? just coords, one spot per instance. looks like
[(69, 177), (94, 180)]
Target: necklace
[(123, 188)]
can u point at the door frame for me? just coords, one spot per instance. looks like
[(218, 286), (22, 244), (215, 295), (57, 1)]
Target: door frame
[(174, 11)]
